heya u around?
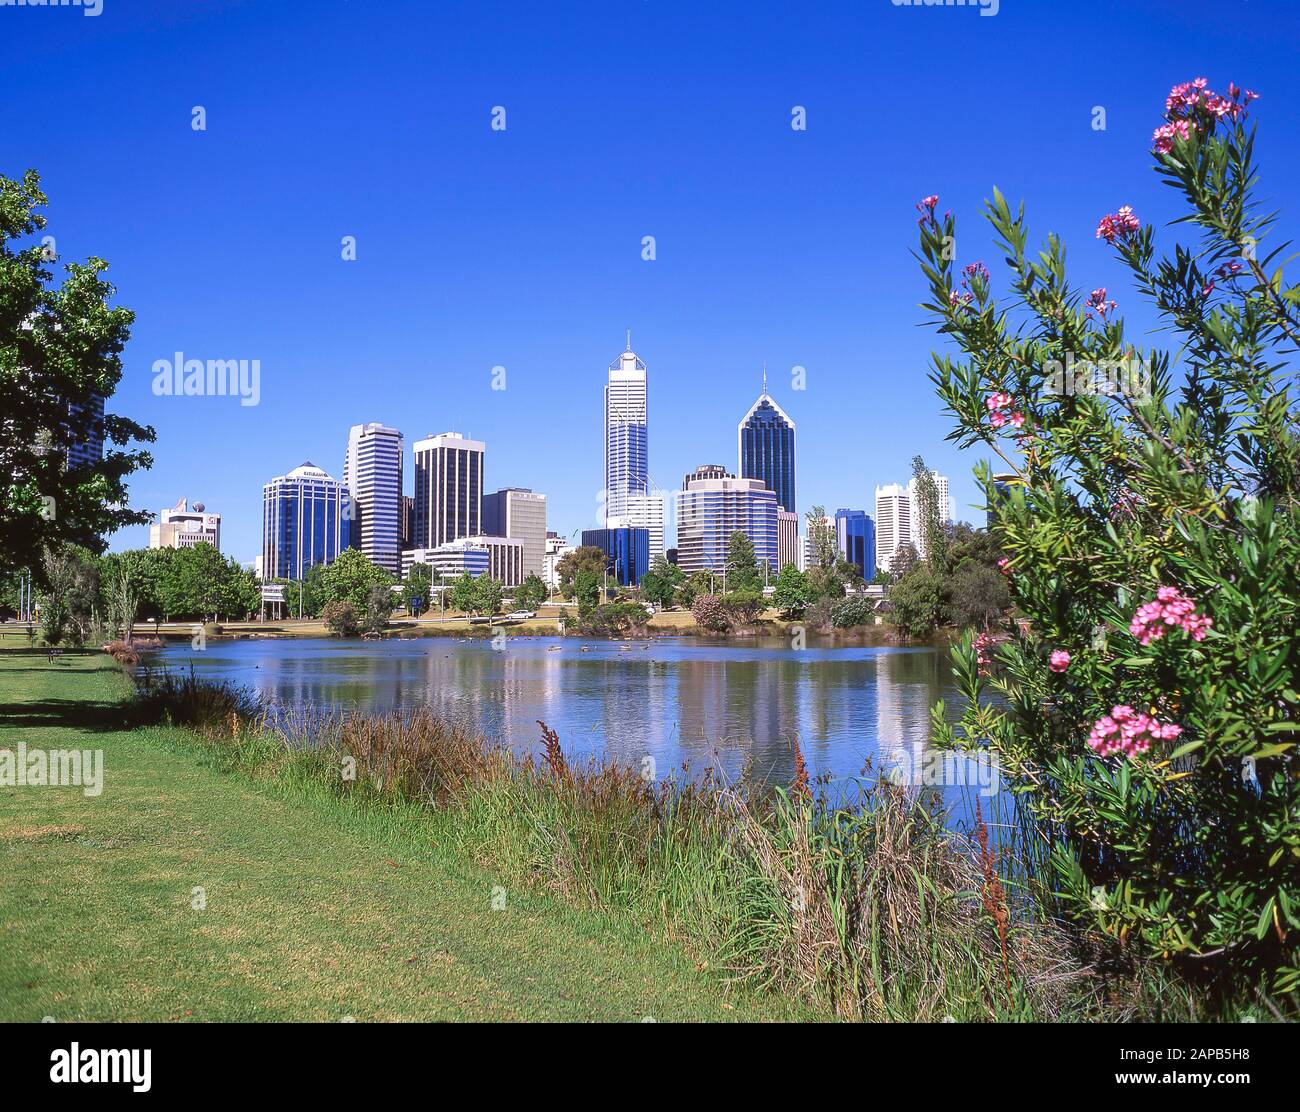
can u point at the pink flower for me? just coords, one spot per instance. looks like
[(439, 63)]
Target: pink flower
[(984, 644), (1004, 566), (1169, 608), (1126, 731), (1097, 300), (1118, 225), (998, 419), (1164, 136), (1059, 661), (1017, 419), (997, 401)]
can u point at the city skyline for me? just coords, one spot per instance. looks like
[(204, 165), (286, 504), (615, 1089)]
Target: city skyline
[(523, 249)]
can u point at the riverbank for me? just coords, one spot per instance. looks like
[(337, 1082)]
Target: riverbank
[(314, 907)]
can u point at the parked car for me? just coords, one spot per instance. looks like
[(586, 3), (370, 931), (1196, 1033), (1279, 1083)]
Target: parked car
[(521, 614)]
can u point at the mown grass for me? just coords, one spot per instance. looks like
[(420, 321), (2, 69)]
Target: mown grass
[(316, 907)]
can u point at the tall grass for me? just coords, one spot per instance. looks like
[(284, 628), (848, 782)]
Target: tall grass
[(872, 911)]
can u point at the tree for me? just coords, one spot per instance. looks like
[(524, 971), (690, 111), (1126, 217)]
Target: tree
[(742, 566), (124, 582), (916, 602), (585, 558), (711, 614), (531, 593), (1146, 713), (927, 516), (587, 586), (379, 608), (463, 595), (487, 595), (821, 538), (791, 591), (341, 619), (699, 583), (60, 356), (350, 577), (660, 583), (417, 589), (905, 559), (977, 595)]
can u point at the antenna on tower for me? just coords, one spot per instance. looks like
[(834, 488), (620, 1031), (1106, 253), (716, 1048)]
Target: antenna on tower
[(764, 377), (629, 339)]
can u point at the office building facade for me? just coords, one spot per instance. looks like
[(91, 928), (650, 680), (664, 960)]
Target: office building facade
[(306, 519), (626, 440), (182, 527), (893, 523), (448, 489), (627, 551), (765, 443), (710, 510), (787, 539), (372, 472), (519, 513), (855, 540)]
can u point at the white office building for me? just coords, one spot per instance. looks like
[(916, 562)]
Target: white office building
[(644, 511), (626, 466), (893, 523), (556, 549), (499, 558), (372, 472), (710, 510), (182, 527)]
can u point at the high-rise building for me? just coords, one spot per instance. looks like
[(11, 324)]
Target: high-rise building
[(787, 539), (372, 472), (626, 548), (408, 522), (519, 513), (855, 538), (505, 557), (893, 523), (706, 471), (941, 500), (765, 441), (710, 510), (181, 527), (306, 519), (448, 489), (556, 548), (626, 467)]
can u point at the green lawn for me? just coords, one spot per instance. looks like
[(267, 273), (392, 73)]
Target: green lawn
[(315, 909)]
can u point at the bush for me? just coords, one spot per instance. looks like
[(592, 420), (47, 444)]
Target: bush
[(856, 610), (1148, 710), (711, 614), (613, 619), (743, 607), (341, 619)]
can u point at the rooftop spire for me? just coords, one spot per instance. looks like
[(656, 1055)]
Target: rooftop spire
[(764, 377), (629, 339)]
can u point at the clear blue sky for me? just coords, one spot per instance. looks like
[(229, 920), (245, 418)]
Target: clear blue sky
[(522, 248)]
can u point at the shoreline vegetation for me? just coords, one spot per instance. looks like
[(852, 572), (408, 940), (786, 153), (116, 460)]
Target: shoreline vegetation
[(874, 912)]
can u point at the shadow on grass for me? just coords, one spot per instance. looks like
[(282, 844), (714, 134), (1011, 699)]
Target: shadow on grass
[(73, 714)]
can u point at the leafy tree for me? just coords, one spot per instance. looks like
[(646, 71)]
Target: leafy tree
[(927, 515), (742, 567), (487, 595), (531, 593), (659, 585), (743, 607), (379, 608), (710, 613), (341, 619), (571, 564), (613, 619), (123, 577), (699, 583), (856, 610), (976, 595), (1147, 711), (791, 591), (350, 577), (417, 589), (587, 587), (464, 597), (916, 602), (312, 596), (905, 559), (821, 538), (60, 355)]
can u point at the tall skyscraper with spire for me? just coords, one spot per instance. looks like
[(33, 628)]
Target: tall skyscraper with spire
[(626, 470), (765, 441)]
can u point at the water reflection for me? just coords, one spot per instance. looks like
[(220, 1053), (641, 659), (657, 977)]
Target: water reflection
[(679, 701)]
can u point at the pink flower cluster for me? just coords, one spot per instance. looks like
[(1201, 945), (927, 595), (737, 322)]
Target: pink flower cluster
[(984, 644), (1192, 104), (1004, 566), (926, 208), (1059, 660), (1169, 608), (1118, 225), (1097, 300), (1002, 410), (1127, 731)]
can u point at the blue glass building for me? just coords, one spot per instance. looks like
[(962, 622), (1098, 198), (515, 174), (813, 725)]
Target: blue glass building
[(855, 535), (627, 548), (306, 519), (766, 446)]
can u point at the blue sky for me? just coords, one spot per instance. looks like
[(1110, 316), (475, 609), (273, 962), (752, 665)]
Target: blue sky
[(625, 118)]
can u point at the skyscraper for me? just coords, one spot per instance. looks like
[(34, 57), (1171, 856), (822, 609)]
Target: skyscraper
[(626, 549), (765, 440), (181, 527), (643, 511), (448, 489), (787, 539), (519, 513), (626, 468), (893, 523), (306, 519), (708, 512), (372, 472)]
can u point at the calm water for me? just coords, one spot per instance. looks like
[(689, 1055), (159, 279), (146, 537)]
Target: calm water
[(677, 700)]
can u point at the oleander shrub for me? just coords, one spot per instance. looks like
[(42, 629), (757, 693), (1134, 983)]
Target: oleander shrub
[(1146, 710)]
